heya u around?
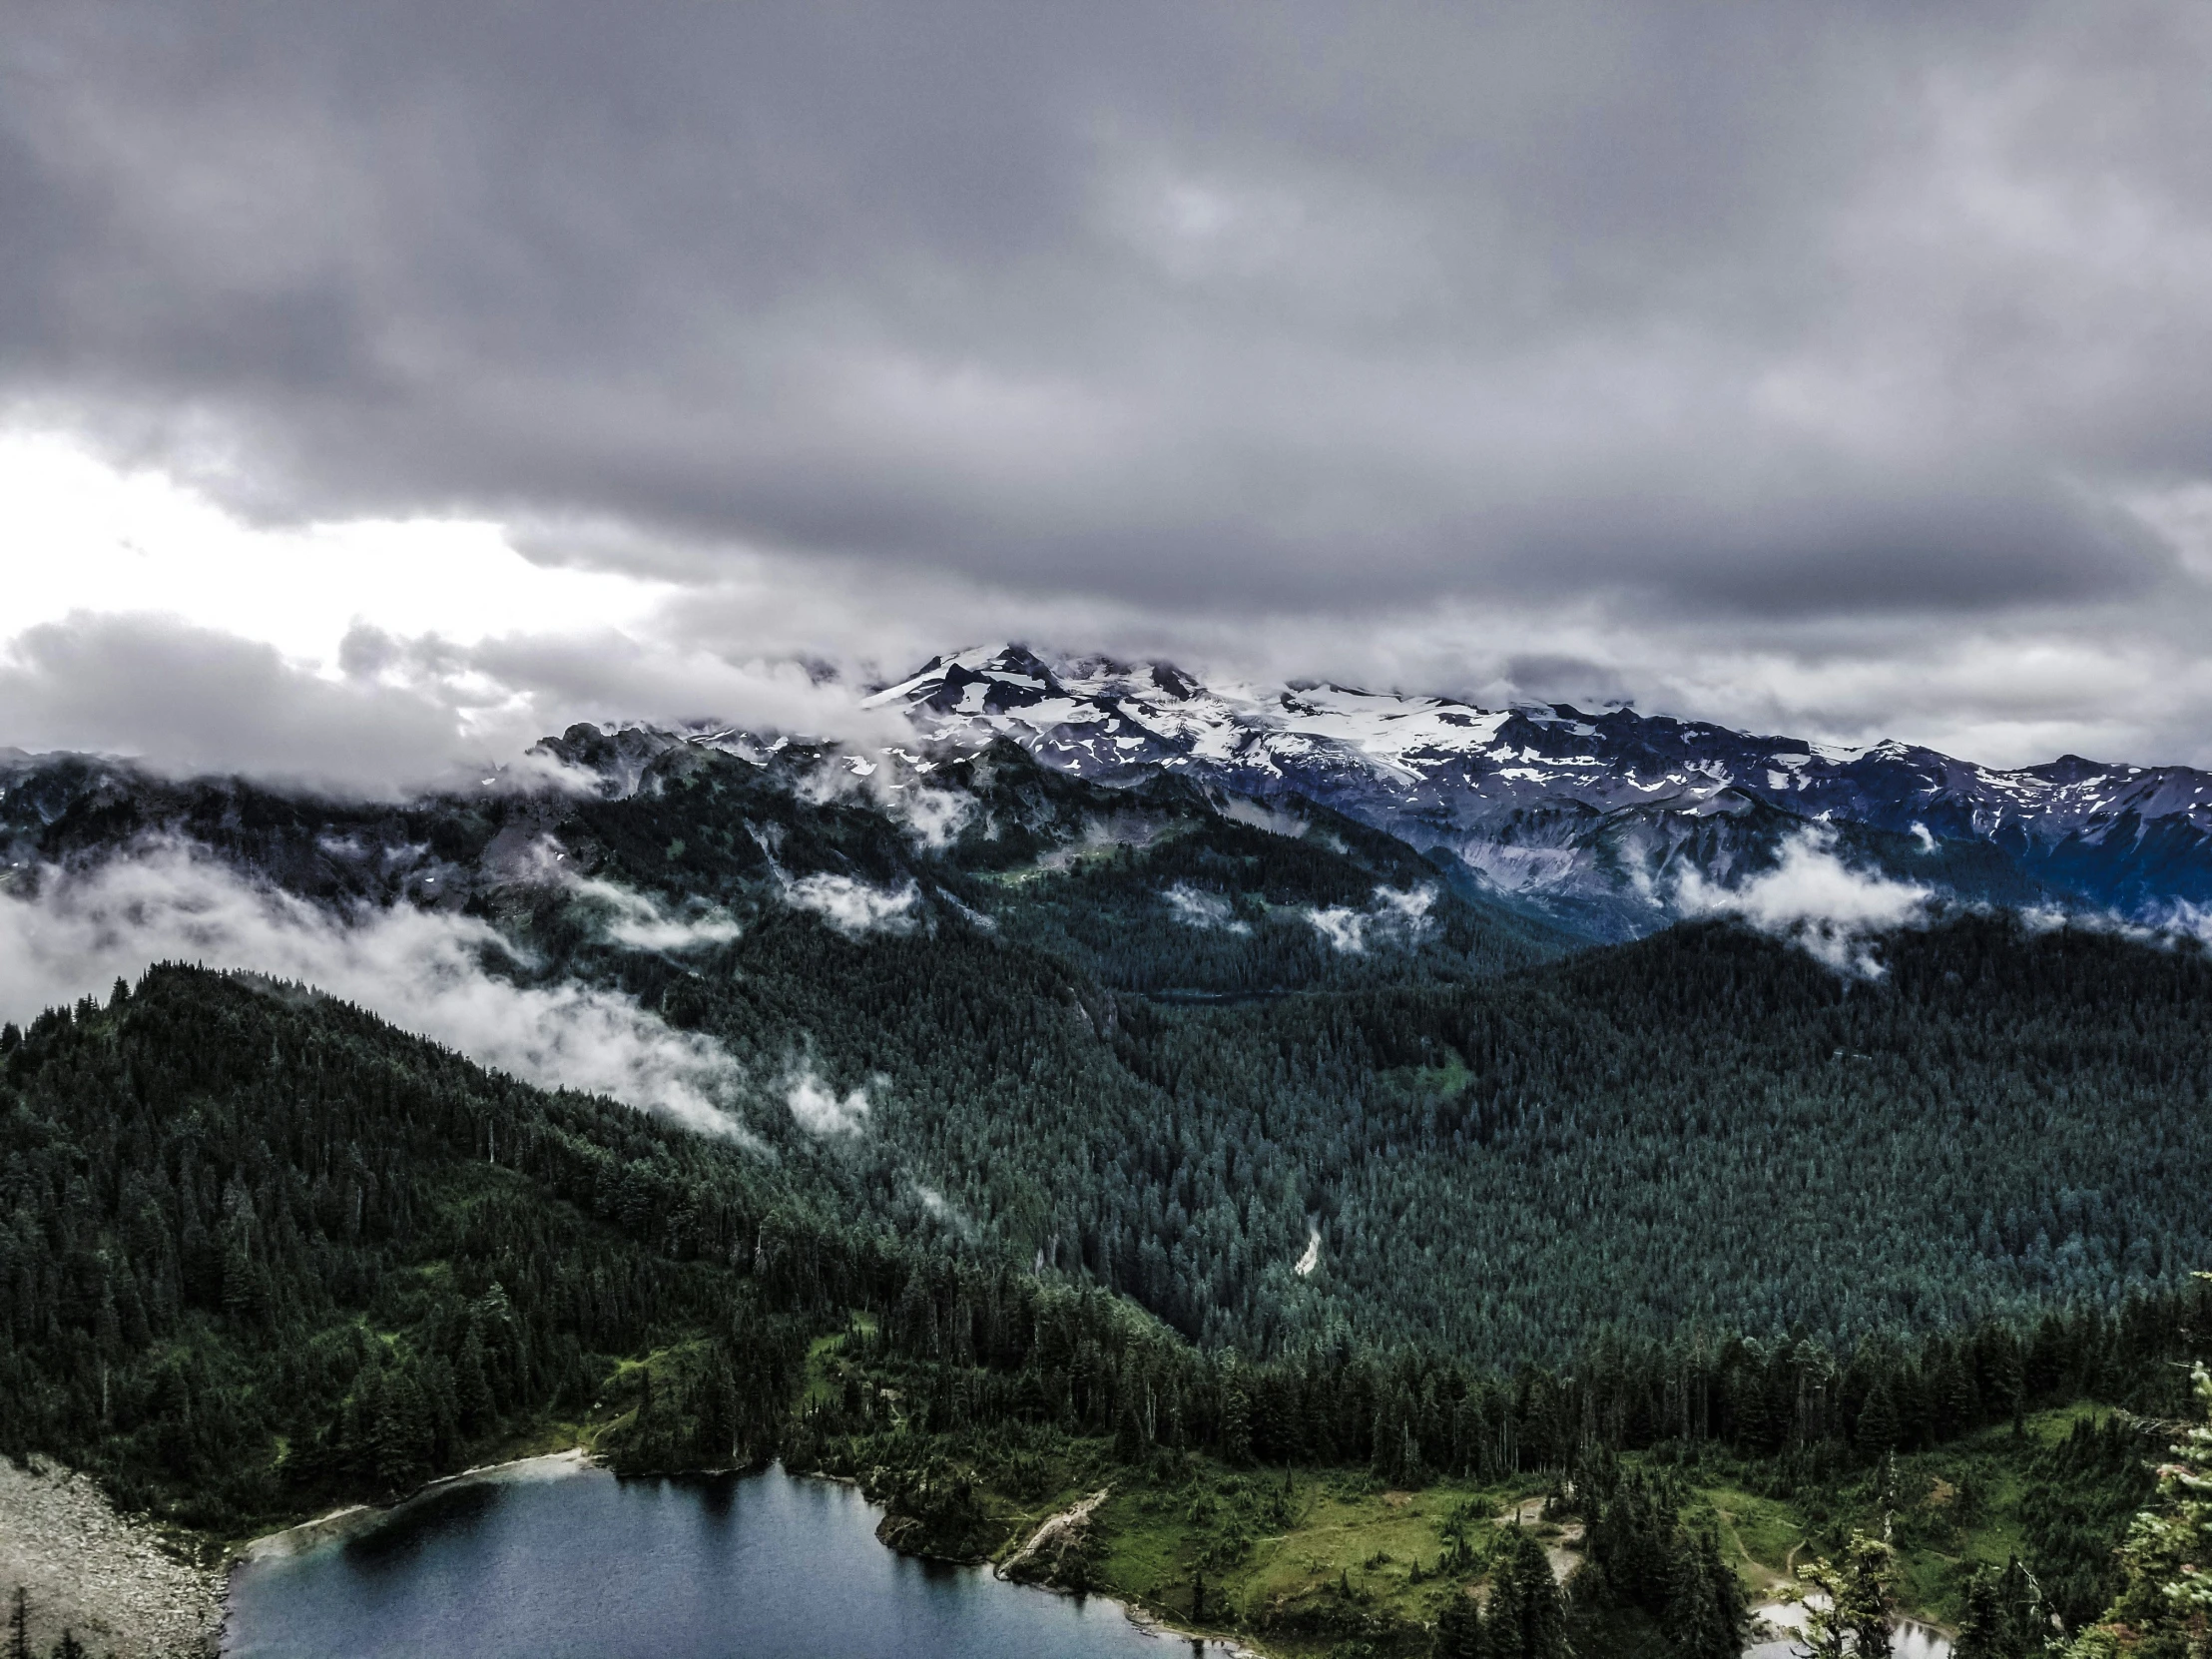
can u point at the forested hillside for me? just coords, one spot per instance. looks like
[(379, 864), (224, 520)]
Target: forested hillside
[(1077, 1137), (260, 1252), (1182, 1047)]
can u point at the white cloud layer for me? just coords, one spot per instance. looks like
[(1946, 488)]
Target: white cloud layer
[(853, 908), (1195, 908), (626, 916), (1393, 917), (421, 971), (1814, 899), (378, 655), (818, 1108)]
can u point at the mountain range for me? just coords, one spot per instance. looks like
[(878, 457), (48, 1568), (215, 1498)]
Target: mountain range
[(1125, 1072), (1608, 822), (1587, 825)]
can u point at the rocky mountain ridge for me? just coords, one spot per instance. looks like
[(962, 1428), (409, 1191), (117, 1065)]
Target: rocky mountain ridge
[(1596, 818)]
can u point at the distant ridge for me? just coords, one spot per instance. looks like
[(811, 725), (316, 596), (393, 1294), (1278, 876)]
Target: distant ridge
[(1593, 819)]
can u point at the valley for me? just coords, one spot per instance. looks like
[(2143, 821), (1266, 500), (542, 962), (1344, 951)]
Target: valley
[(1010, 1142)]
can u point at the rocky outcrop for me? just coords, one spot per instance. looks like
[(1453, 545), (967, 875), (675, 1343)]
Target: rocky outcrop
[(112, 1579), (1058, 1553)]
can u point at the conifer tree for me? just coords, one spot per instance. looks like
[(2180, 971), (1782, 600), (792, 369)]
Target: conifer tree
[(1983, 1630), (1505, 1619), (1526, 1621), (1855, 1607), (2165, 1613), (1459, 1628), (1705, 1616)]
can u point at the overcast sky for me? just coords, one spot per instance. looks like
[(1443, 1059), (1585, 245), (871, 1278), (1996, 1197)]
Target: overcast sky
[(387, 382)]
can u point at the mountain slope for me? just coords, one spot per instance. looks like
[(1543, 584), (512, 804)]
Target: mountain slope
[(1593, 819)]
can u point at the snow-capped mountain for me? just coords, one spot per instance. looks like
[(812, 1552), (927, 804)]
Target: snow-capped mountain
[(1594, 818)]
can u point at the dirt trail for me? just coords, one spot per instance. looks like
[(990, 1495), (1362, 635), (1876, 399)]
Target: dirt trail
[(1783, 1583), (1053, 1527), (1529, 1512)]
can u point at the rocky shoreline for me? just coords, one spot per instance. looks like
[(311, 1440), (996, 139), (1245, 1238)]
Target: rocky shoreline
[(359, 1517), (120, 1583), (125, 1586)]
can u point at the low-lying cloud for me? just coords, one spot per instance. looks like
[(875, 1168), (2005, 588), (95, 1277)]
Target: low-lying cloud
[(818, 1108), (74, 933), (635, 920), (391, 717), (1394, 916), (1258, 814), (853, 908), (625, 915), (1816, 901), (1195, 908)]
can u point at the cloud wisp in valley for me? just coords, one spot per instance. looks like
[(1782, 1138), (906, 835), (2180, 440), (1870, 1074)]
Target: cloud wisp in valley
[(1816, 901), (424, 971)]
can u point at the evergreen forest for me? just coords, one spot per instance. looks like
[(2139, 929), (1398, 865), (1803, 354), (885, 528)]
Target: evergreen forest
[(1245, 1163)]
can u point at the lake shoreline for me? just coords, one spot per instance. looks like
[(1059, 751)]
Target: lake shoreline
[(354, 1519)]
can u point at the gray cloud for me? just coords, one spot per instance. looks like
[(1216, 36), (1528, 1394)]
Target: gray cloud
[(401, 715), (1780, 308), (1748, 354), (203, 701)]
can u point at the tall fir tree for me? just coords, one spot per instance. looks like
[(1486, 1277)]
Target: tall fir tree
[(1459, 1628)]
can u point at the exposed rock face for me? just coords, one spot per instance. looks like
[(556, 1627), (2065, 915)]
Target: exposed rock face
[(905, 1534), (1591, 818), (1058, 1553), (107, 1577)]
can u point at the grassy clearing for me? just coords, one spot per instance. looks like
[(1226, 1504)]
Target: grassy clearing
[(1301, 1563), (1306, 1561), (1949, 1513)]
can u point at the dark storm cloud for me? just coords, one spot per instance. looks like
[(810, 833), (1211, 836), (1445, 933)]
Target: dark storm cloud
[(1783, 310)]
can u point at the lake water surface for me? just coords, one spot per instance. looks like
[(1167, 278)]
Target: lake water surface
[(1907, 1641), (552, 1558)]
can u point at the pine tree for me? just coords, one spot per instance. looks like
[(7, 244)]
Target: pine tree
[(1879, 1426), (1504, 1620), (1732, 1612), (1459, 1628), (19, 1625), (1236, 1425), (1704, 1617), (472, 1392), (1528, 1619), (1859, 1606), (2166, 1607), (1982, 1629), (1127, 1437)]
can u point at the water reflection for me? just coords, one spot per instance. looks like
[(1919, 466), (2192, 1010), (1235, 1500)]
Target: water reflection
[(1907, 1641), (552, 1558), (763, 1565)]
